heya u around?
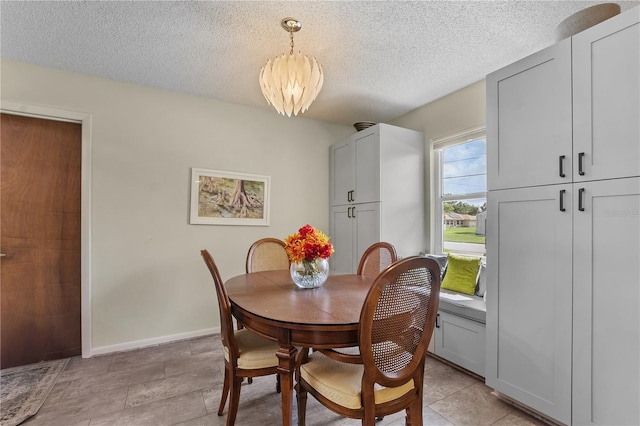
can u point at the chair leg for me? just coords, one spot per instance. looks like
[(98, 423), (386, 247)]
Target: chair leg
[(369, 421), (234, 401), (278, 387), (225, 390), (301, 397), (369, 415), (414, 413), (249, 380)]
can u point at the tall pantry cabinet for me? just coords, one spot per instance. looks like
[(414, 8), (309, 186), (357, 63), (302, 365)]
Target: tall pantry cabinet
[(563, 242), (376, 189)]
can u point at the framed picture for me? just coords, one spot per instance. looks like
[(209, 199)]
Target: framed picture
[(229, 198)]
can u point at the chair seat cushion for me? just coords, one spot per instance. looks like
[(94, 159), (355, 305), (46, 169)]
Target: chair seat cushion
[(255, 351), (340, 382)]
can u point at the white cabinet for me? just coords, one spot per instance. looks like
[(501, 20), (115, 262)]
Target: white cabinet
[(529, 297), (353, 229), (606, 104), (606, 303), (460, 341), (356, 174), (588, 85), (563, 231), (376, 185), (529, 120)]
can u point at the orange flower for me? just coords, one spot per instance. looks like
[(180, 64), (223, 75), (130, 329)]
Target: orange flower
[(308, 244)]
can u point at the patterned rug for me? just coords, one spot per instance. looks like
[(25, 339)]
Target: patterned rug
[(24, 389)]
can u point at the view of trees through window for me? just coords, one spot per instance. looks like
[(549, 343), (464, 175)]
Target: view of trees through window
[(463, 196)]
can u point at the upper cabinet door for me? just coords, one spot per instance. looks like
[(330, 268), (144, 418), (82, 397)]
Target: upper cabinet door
[(529, 120), (341, 176), (606, 94), (367, 165)]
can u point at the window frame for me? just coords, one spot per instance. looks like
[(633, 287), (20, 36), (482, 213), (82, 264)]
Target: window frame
[(437, 146)]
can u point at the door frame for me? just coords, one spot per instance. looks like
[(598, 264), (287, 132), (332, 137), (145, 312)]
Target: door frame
[(84, 119)]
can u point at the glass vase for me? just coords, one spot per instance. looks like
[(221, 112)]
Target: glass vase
[(309, 273)]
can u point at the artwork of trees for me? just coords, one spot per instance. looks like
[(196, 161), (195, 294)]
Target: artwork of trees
[(230, 198)]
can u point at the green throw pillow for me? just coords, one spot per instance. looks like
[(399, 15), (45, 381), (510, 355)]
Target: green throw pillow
[(462, 274)]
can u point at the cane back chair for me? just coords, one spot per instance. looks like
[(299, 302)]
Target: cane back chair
[(376, 258), (396, 323), (267, 254)]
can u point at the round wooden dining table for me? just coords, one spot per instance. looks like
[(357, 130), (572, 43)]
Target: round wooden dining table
[(270, 304)]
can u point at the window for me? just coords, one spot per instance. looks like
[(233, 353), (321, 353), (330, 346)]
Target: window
[(461, 193)]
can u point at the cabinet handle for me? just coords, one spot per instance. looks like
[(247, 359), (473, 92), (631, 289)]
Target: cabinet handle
[(562, 192), (438, 320), (561, 165), (349, 212), (580, 206), (348, 196), (580, 158), (352, 195), (353, 212)]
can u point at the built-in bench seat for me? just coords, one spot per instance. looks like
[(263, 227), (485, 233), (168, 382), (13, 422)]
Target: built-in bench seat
[(463, 305), (459, 335)]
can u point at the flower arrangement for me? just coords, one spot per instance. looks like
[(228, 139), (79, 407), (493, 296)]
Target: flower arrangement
[(308, 244), (308, 250)]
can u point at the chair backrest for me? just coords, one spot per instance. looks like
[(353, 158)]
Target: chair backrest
[(224, 305), (376, 258), (267, 254), (397, 320)]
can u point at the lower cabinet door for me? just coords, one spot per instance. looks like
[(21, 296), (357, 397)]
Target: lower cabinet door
[(341, 232), (367, 228), (606, 303), (461, 341), (529, 297), (353, 228)]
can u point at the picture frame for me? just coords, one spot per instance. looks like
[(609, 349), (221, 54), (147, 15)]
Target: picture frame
[(229, 198)]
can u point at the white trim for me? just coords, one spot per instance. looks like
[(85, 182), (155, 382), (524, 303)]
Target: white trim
[(137, 344), (468, 135), (84, 119), (438, 145)]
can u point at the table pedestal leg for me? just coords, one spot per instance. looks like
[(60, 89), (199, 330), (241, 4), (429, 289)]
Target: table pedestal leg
[(286, 368)]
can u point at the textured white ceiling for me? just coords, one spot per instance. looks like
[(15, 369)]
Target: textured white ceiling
[(381, 59)]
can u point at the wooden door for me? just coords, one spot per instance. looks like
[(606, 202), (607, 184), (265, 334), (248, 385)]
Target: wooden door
[(40, 184)]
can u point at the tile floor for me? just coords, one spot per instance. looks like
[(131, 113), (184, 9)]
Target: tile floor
[(180, 384)]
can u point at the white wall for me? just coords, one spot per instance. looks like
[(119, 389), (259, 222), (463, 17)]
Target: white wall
[(148, 280), (462, 110)]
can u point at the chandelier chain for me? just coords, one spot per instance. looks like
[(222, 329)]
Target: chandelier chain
[(291, 44)]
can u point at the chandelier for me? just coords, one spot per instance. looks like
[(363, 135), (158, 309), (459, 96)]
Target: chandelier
[(291, 83)]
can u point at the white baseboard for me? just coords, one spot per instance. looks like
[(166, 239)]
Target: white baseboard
[(138, 344)]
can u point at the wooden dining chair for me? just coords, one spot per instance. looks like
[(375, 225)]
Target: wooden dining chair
[(245, 353), (267, 254), (376, 258), (396, 323)]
